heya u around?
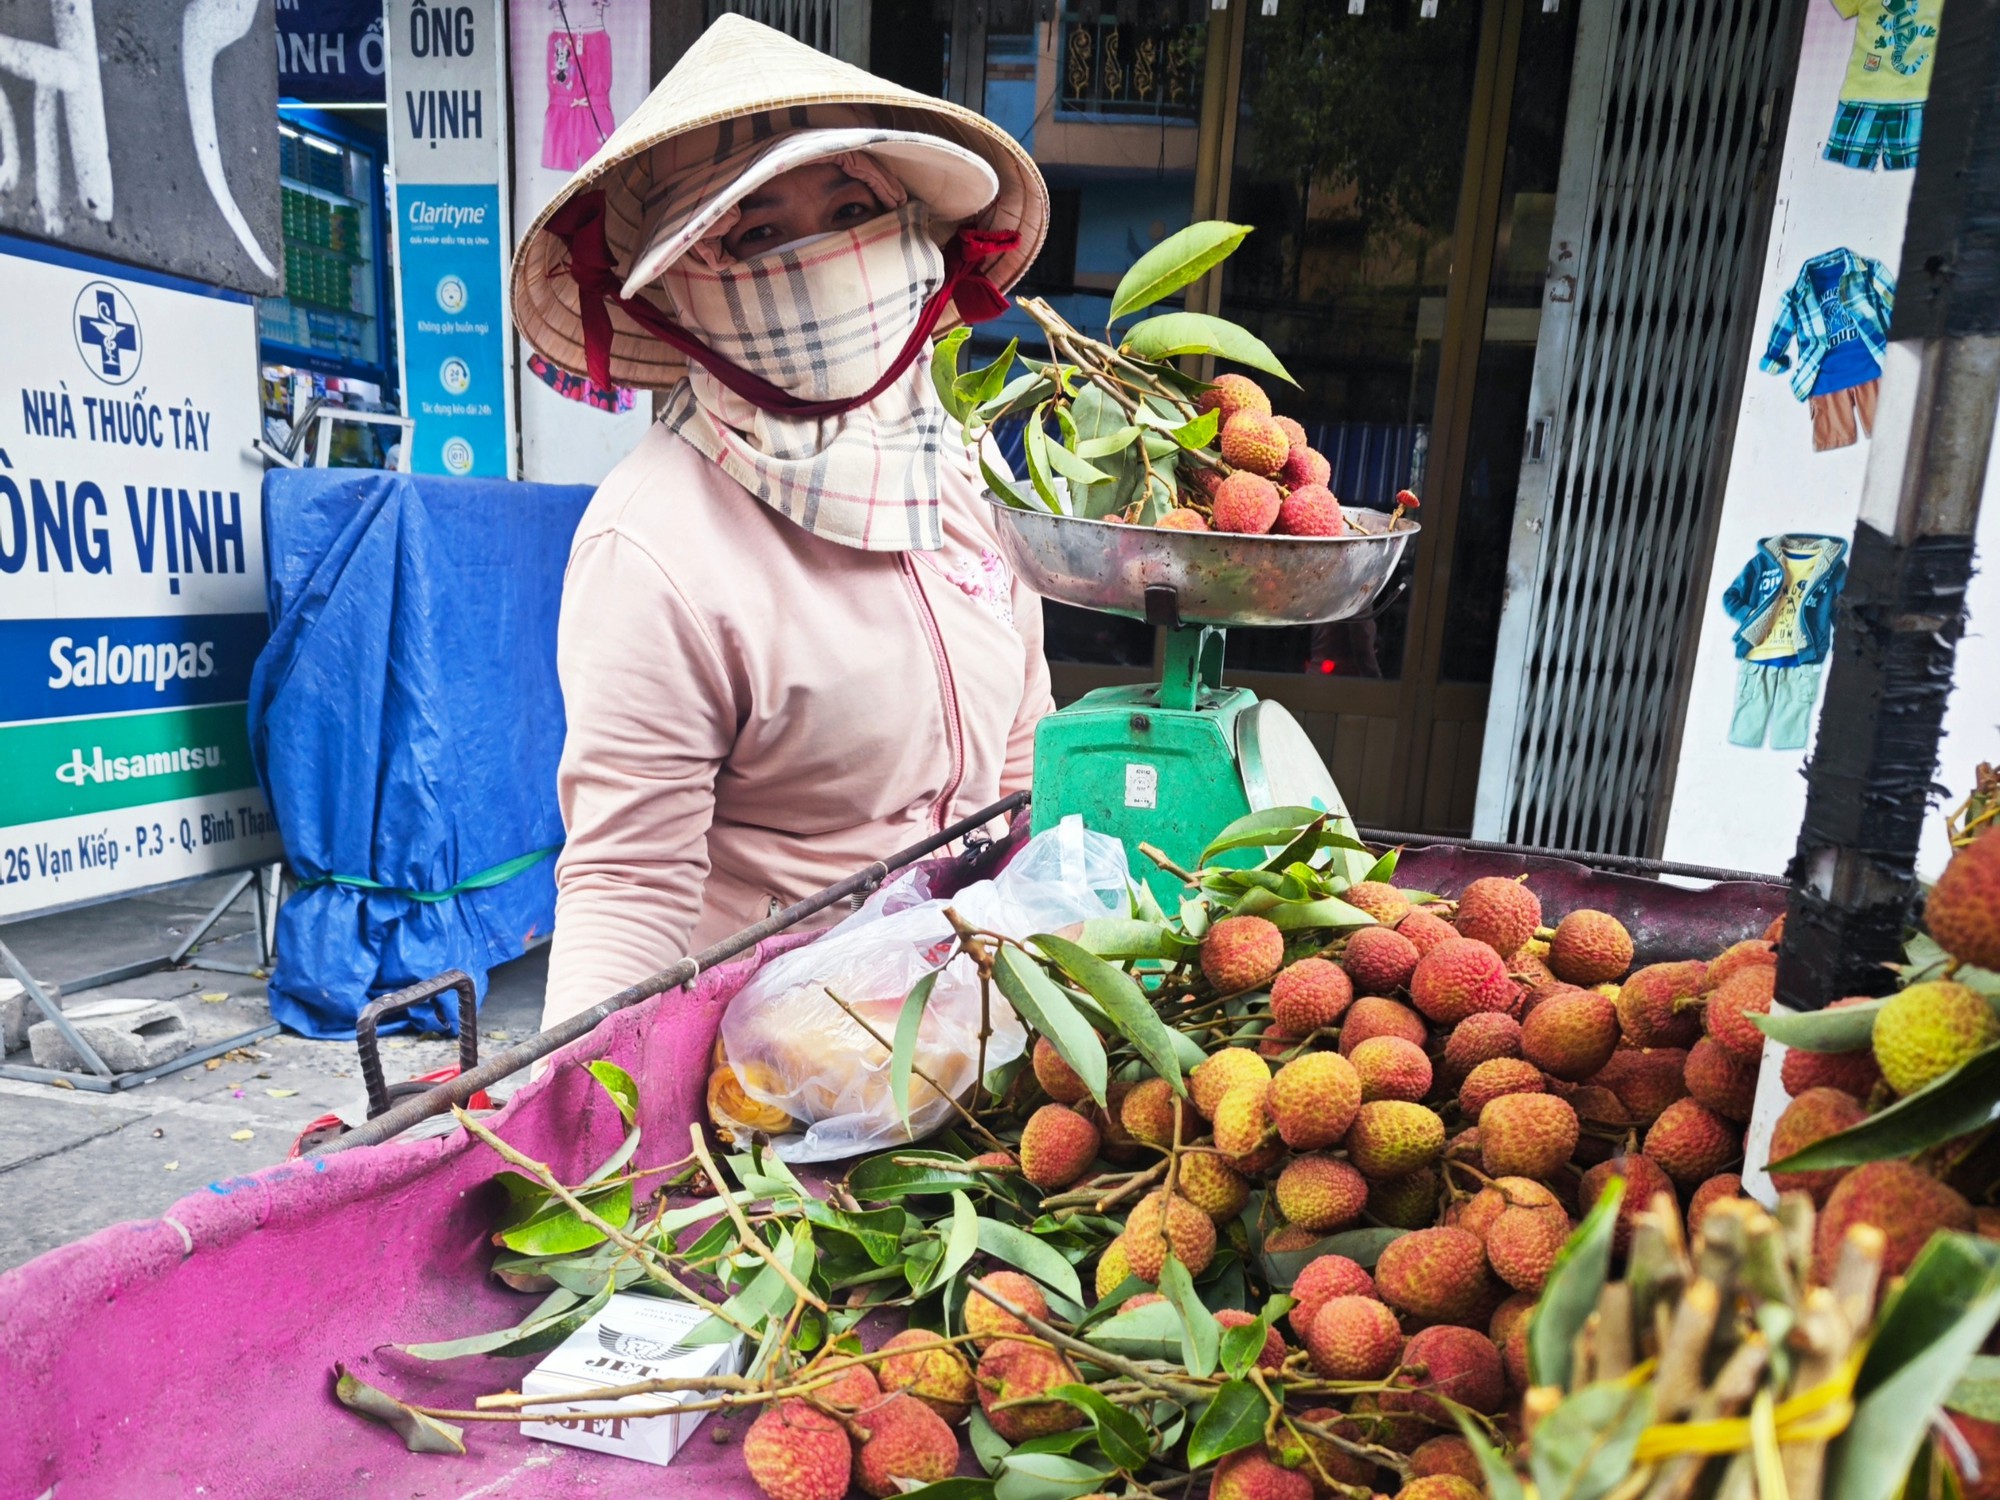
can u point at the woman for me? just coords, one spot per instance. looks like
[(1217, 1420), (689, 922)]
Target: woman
[(789, 644)]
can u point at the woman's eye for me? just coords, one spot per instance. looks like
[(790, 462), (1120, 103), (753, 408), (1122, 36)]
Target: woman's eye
[(755, 234), (848, 212)]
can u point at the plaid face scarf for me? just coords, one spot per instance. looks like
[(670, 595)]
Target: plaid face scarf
[(822, 321)]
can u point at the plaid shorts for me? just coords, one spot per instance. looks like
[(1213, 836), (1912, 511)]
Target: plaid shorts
[(1862, 132)]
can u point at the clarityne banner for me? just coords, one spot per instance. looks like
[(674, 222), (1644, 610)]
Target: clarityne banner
[(131, 580)]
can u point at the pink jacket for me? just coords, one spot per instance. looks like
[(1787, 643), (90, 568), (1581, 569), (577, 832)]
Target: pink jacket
[(755, 712)]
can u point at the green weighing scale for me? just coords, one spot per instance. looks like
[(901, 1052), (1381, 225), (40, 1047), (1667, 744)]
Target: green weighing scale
[(1169, 763)]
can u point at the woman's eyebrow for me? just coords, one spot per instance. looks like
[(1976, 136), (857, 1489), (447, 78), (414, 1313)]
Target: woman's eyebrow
[(756, 201)]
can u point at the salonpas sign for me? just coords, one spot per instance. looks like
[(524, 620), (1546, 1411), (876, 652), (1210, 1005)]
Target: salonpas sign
[(131, 580)]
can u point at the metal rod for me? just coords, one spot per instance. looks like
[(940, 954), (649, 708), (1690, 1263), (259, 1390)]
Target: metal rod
[(199, 1054), (436, 1101), (214, 914), (1622, 863), (54, 1013), (103, 977)]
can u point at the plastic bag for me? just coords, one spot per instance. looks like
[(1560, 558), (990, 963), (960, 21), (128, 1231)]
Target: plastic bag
[(792, 1050)]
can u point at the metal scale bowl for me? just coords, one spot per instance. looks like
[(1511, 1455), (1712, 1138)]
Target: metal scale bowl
[(1170, 763)]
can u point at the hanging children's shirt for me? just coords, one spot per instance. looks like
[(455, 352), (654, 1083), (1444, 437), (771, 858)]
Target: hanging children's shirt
[(1880, 114), (578, 117), (1787, 636), (1838, 297)]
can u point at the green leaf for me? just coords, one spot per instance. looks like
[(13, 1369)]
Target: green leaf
[(556, 1230), (1149, 1332), (1046, 1476), (1126, 938), (1201, 1335), (976, 387), (1003, 489), (1266, 828), (619, 1085), (1024, 1252), (1188, 1050), (1956, 1102), (1924, 1340), (879, 1178), (547, 1326), (1020, 392), (1384, 867), (1502, 1483), (1120, 1434), (1074, 468), (987, 1445), (1108, 444), (1570, 1294), (1977, 1393), (1043, 1005), (1329, 911), (1848, 1029), (879, 1231), (1583, 1449), (1198, 434), (1174, 334), (963, 1241), (1241, 1345), (1179, 260), (1036, 445), (1124, 1003), (1194, 917), (944, 371), (903, 1055), (420, 1434), (1234, 1418), (1362, 1246), (616, 1161), (952, 1489)]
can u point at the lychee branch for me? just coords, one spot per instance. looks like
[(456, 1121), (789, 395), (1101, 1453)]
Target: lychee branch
[(752, 1241), (965, 1114)]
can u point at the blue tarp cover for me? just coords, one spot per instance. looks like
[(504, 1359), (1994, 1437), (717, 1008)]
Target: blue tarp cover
[(406, 723)]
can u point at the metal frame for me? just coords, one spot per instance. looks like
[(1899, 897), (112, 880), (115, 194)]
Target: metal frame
[(100, 1079)]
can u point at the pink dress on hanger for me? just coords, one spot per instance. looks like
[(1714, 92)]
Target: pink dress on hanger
[(579, 112)]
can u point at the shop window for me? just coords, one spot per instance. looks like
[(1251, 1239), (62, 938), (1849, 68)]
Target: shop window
[(1128, 70)]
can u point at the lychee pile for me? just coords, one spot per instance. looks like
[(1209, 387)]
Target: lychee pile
[(1264, 475)]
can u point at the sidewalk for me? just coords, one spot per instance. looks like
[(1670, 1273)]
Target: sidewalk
[(72, 1162)]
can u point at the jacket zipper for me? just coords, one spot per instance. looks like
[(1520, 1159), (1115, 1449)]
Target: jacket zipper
[(954, 732)]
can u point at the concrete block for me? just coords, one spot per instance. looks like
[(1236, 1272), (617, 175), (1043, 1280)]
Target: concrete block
[(18, 1012), (127, 1034)]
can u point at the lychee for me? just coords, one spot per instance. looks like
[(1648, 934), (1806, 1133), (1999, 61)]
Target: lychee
[(1499, 912), (1570, 1034), (1749, 954), (1448, 1453), (1254, 441), (1245, 501), (1321, 1279), (1393, 1138), (1381, 900), (1391, 1068), (1157, 1222), (1013, 1371), (1320, 1193), (1319, 1460), (854, 1387), (1722, 1186), (1440, 1487), (1180, 518), (1241, 953), (1478, 1214), (1147, 1113), (1812, 1116), (1289, 1239), (1458, 978), (1439, 1274), (1212, 1185), (1272, 1355), (1372, 1016), (1495, 1078), (1646, 1004), (1458, 1364), (1522, 1246), (1509, 1331), (1231, 394), (1249, 1474), (1305, 465), (1645, 1080), (931, 1370), (905, 1441), (797, 1452), (1405, 1202), (1354, 1338), (1311, 510), (1314, 1099), (1057, 1078), (1057, 1147), (1907, 1205), (1309, 994), (1527, 1135), (1426, 929), (1963, 909), (1379, 960), (1478, 1039), (1689, 1141), (1209, 1081), (1590, 947), (1731, 1004), (1925, 1031), (1643, 1179), (1721, 1080), (986, 1322), (1277, 1044), (1243, 1123), (1113, 1267), (1854, 1073)]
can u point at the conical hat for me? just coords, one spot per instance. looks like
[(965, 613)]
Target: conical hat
[(741, 82)]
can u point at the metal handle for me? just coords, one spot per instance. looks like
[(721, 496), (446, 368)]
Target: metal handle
[(416, 994)]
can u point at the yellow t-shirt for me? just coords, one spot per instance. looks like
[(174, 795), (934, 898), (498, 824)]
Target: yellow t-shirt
[(1894, 44), (1785, 638)]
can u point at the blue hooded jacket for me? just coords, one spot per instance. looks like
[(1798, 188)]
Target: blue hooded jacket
[(1752, 600)]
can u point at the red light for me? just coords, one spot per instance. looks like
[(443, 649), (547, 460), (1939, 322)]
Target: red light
[(1326, 667)]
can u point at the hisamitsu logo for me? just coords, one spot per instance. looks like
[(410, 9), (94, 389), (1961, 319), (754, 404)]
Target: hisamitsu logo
[(107, 333)]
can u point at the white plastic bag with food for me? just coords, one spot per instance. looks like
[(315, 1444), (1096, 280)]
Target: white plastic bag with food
[(820, 1078)]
